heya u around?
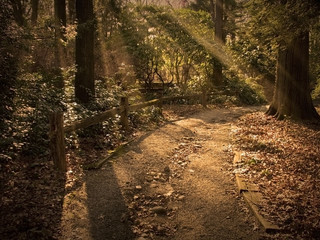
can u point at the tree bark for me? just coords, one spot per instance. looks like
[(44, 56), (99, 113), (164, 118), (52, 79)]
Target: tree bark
[(60, 24), (219, 21), (34, 14), (292, 89), (60, 15), (124, 114), (57, 141), (219, 39), (18, 10), (84, 81), (72, 10), (212, 11)]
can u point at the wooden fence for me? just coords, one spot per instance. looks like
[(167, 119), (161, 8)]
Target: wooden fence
[(58, 129)]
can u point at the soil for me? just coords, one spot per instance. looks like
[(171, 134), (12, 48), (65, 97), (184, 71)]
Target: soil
[(174, 182)]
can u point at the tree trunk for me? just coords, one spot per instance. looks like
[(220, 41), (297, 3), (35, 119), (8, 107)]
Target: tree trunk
[(84, 81), (219, 39), (219, 21), (72, 10), (212, 11), (34, 14), (18, 11), (292, 90), (57, 141), (60, 16), (60, 24)]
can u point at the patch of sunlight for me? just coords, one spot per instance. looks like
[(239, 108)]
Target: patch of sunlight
[(102, 48), (75, 222), (216, 48), (285, 72)]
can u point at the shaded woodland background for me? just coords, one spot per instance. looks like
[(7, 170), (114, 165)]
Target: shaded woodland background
[(80, 57)]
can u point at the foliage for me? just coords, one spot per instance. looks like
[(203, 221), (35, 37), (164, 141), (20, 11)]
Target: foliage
[(146, 117), (243, 92), (280, 21), (252, 58), (107, 11), (36, 98), (268, 25), (163, 49), (135, 45), (166, 46), (163, 45)]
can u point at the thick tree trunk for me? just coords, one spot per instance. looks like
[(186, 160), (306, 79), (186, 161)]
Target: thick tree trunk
[(84, 81), (219, 39), (292, 90), (34, 14)]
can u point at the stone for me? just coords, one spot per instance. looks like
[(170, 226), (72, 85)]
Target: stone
[(181, 197), (153, 185), (159, 210), (149, 178), (167, 170)]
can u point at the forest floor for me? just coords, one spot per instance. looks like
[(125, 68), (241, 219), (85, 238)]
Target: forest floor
[(174, 180)]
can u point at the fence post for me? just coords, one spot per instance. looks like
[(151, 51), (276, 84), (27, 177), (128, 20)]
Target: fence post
[(203, 98), (124, 103), (160, 104), (57, 141)]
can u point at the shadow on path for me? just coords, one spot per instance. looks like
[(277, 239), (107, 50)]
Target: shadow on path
[(107, 210), (106, 206)]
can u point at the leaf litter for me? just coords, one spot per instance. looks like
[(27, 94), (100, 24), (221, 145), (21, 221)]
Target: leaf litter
[(148, 213), (283, 159)]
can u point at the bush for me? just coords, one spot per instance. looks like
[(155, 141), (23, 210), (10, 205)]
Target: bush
[(8, 72), (36, 98)]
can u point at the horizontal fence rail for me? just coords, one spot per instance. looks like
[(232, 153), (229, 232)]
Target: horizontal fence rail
[(57, 129), (87, 122)]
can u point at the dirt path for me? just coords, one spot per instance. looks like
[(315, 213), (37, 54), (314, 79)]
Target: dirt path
[(173, 183)]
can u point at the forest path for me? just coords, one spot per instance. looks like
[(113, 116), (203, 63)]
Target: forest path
[(175, 182)]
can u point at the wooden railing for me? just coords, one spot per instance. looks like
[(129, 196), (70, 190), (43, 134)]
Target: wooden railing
[(58, 130)]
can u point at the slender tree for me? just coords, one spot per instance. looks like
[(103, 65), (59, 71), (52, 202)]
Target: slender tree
[(72, 10), (219, 21), (60, 24), (84, 81), (60, 16), (18, 11), (34, 14), (216, 10), (219, 38), (212, 11)]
